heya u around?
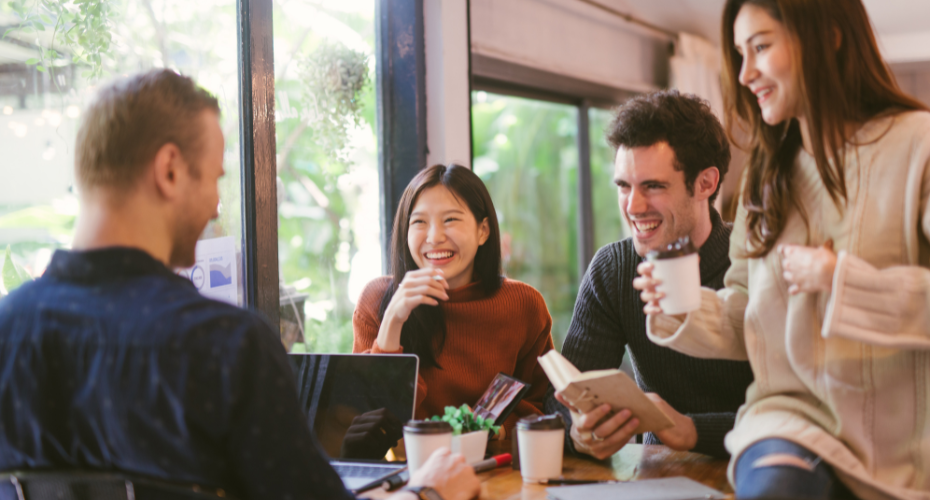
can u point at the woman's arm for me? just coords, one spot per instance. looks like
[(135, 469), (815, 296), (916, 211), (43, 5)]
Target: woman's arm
[(888, 307), (366, 325), (423, 286), (377, 335), (365, 320), (716, 329), (884, 307)]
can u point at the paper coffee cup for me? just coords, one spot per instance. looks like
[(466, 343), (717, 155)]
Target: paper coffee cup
[(540, 440), (422, 438), (679, 270)]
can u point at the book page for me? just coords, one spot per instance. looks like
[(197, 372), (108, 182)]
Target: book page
[(559, 370)]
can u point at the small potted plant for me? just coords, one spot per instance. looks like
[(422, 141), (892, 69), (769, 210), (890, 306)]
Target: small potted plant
[(470, 433)]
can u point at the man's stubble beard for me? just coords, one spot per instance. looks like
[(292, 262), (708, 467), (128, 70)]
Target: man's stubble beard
[(684, 223), (184, 244)]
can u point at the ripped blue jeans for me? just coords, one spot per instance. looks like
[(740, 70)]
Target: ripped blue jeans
[(780, 469)]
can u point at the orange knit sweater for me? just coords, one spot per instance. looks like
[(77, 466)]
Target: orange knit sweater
[(484, 335)]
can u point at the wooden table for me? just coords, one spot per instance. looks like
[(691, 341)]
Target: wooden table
[(634, 461)]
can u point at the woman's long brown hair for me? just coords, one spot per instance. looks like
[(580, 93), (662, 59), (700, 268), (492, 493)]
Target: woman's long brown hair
[(839, 86)]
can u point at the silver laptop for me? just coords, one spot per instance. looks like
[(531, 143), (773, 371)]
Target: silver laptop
[(356, 406)]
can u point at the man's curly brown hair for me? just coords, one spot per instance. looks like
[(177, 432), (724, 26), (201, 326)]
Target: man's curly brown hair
[(684, 121)]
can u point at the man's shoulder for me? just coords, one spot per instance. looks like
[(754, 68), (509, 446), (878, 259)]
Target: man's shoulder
[(194, 315), (20, 300), (184, 304), (611, 269), (151, 309), (199, 324), (614, 257)]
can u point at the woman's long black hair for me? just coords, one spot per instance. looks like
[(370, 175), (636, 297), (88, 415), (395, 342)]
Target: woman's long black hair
[(424, 332)]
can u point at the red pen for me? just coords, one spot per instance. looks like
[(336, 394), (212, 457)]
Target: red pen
[(492, 463)]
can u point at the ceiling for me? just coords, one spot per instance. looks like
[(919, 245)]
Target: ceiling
[(702, 17)]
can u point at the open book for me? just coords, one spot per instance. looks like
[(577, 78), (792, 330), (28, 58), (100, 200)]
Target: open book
[(586, 391)]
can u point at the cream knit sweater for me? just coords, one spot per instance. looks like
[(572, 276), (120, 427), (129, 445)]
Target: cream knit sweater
[(845, 374)]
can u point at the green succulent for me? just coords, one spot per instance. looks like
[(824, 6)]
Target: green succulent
[(464, 421)]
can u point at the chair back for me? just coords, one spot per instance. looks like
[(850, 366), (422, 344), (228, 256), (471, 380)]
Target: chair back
[(91, 485)]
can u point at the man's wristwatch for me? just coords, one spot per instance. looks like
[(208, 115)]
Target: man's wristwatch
[(424, 492)]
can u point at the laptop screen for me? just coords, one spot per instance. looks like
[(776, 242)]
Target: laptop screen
[(356, 404)]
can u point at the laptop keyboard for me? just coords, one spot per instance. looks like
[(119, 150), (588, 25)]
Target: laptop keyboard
[(361, 471)]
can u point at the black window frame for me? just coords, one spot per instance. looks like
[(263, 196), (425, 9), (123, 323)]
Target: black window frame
[(401, 131), (508, 78), (258, 147)]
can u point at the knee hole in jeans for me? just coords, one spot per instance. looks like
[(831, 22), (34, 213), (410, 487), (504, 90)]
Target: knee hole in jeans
[(785, 459)]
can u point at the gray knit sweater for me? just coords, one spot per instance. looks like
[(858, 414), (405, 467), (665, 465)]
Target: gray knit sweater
[(609, 317)]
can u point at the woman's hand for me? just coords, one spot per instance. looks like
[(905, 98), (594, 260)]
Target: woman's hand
[(646, 284), (808, 269), (423, 286)]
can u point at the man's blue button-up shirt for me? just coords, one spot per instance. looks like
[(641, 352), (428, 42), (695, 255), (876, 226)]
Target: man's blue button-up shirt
[(112, 362)]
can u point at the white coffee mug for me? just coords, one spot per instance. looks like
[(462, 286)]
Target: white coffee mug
[(540, 440), (422, 438), (678, 268)]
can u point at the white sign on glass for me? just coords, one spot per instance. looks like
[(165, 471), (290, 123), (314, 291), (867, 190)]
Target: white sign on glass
[(214, 273)]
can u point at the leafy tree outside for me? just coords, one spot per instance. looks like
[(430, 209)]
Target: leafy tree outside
[(61, 50), (328, 233), (327, 172), (526, 153)]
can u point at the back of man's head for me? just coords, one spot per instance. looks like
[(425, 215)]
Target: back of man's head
[(131, 119), (684, 121)]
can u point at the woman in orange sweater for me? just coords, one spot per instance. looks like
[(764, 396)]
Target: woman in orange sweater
[(447, 301)]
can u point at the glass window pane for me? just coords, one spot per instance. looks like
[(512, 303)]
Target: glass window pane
[(526, 152), (609, 225), (328, 190), (49, 70)]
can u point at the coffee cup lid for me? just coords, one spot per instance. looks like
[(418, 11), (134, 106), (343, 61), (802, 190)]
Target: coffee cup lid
[(678, 248), (427, 427), (541, 422)]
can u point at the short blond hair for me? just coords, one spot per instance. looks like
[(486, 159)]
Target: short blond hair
[(131, 119)]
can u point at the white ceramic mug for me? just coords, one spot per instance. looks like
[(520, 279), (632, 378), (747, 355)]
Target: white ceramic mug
[(422, 438), (540, 440), (679, 270)]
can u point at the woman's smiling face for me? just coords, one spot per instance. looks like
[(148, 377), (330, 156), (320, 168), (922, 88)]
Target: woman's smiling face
[(443, 234), (767, 71)]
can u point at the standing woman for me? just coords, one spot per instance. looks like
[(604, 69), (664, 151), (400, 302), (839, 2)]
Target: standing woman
[(447, 301), (828, 295)]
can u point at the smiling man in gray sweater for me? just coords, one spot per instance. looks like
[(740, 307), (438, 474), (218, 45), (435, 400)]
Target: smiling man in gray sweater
[(672, 155)]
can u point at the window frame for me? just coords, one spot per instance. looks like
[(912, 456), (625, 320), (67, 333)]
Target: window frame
[(401, 132), (508, 78), (401, 113), (258, 159)]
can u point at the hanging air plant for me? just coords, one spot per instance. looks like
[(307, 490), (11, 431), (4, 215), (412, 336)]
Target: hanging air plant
[(333, 78)]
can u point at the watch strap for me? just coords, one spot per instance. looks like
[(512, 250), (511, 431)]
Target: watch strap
[(424, 492)]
